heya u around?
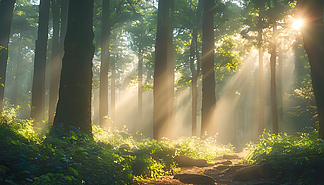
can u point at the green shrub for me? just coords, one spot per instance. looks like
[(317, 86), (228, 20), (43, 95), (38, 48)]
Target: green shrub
[(109, 157), (290, 158), (61, 158), (198, 148)]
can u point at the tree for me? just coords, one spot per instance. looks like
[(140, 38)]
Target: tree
[(170, 65), (74, 104), (273, 61), (122, 13), (261, 103), (140, 86), (21, 55), (208, 79), (57, 53), (38, 89), (160, 88), (258, 7), (104, 67), (311, 12), (194, 54), (142, 32), (6, 9), (55, 62)]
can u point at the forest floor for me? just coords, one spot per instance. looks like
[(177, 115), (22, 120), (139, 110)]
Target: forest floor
[(221, 175)]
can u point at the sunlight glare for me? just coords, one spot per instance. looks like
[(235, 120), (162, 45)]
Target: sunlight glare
[(297, 24)]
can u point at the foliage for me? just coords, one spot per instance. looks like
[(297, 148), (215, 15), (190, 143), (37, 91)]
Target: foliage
[(290, 158), (111, 157), (61, 158), (306, 94), (198, 148), (148, 86)]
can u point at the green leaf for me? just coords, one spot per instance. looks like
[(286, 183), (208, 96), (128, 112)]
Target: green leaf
[(73, 171), (81, 148), (35, 148), (45, 177), (67, 178)]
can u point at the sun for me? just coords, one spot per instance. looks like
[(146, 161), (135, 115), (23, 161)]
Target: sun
[(297, 24)]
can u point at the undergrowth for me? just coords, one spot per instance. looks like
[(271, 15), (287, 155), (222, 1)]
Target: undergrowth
[(290, 158), (110, 157)]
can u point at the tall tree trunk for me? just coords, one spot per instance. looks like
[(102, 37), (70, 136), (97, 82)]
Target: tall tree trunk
[(195, 73), (170, 68), (193, 89), (38, 89), (55, 62), (15, 90), (280, 91), (74, 104), (95, 118), (311, 11), (140, 84), (160, 88), (104, 67), (208, 79), (64, 19), (273, 91), (6, 9), (113, 91), (260, 75)]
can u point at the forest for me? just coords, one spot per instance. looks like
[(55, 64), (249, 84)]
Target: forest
[(161, 92)]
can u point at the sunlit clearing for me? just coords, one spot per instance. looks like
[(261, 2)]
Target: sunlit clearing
[(297, 24)]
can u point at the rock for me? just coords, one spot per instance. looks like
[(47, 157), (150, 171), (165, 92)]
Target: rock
[(200, 162), (184, 161), (195, 178), (234, 156), (219, 157), (234, 168), (224, 163), (222, 167), (248, 173)]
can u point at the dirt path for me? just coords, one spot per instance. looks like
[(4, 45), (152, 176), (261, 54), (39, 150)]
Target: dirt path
[(220, 172)]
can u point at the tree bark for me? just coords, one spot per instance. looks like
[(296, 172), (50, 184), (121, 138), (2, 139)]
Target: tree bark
[(280, 91), (208, 79), (6, 9), (260, 79), (170, 67), (38, 89), (64, 17), (311, 12), (195, 73), (14, 98), (113, 91), (140, 85), (104, 67), (160, 87), (273, 88), (74, 104), (55, 62)]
